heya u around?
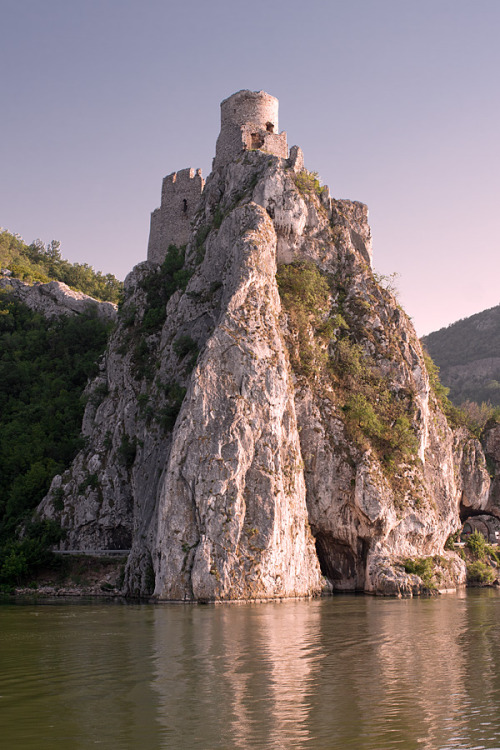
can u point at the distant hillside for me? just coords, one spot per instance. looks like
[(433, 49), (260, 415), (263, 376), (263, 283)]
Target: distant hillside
[(43, 263), (468, 355)]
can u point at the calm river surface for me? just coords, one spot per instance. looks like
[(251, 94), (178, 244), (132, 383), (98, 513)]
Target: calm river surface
[(342, 672)]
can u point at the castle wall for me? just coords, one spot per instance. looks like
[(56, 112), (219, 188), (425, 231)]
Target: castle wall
[(249, 120), (273, 143), (171, 223)]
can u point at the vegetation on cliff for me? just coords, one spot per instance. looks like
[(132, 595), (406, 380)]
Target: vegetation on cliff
[(325, 347), (140, 325), (481, 559), (40, 263), (44, 367)]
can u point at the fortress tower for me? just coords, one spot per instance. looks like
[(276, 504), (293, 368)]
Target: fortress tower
[(249, 120), (171, 223)]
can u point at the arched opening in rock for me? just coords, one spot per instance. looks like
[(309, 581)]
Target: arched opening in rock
[(343, 566), (479, 520), (466, 513)]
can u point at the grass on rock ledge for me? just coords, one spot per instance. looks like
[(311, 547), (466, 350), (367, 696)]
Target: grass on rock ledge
[(325, 346)]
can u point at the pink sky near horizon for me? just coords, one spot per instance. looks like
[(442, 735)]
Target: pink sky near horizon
[(395, 104)]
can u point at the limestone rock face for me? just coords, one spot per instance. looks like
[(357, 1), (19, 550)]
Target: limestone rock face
[(55, 298), (243, 444), (232, 518), (491, 443)]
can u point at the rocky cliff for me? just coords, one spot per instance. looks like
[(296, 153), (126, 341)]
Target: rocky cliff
[(55, 299), (263, 424)]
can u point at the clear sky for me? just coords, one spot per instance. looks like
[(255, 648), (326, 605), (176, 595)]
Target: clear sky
[(395, 103)]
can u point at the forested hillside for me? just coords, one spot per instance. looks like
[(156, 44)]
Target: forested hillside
[(468, 356), (44, 368), (39, 262)]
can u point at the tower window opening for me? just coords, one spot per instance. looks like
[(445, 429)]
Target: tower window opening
[(184, 205), (269, 127), (257, 140)]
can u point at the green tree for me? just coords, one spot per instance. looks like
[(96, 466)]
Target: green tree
[(44, 367), (40, 262)]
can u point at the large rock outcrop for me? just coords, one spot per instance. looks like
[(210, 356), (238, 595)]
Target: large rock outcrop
[(55, 298), (263, 416), (491, 446)]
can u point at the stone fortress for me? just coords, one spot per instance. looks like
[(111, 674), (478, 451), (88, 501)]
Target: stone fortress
[(249, 121), (228, 452), (171, 223)]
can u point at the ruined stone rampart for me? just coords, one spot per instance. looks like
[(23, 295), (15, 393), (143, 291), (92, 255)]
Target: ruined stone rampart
[(249, 121), (171, 223)]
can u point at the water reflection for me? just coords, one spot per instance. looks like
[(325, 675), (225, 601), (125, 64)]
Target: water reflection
[(236, 676), (348, 672), (340, 673), (411, 675)]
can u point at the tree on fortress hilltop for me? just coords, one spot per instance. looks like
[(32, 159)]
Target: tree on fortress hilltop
[(43, 263)]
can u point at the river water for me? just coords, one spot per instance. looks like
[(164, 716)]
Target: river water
[(336, 673)]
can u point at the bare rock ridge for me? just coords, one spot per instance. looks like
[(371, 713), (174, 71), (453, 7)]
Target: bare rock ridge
[(263, 425), (55, 299)]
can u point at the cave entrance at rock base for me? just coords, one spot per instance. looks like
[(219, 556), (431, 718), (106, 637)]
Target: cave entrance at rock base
[(340, 563)]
